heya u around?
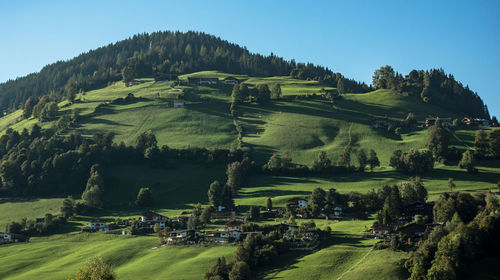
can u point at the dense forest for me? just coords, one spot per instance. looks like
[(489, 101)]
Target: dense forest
[(433, 86), (160, 52)]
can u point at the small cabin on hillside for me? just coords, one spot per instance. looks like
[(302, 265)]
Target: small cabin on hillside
[(203, 80), (132, 83), (5, 238), (98, 225), (235, 224), (223, 235), (431, 121), (151, 218), (182, 235), (297, 202), (231, 81), (475, 122)]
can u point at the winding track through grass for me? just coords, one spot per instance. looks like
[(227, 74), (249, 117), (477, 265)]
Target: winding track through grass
[(356, 264)]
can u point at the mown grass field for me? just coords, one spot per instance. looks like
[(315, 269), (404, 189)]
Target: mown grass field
[(58, 257)]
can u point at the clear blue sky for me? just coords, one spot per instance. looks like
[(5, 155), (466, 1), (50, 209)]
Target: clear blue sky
[(350, 37)]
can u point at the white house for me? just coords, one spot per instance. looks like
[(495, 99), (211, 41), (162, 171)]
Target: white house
[(337, 211), (223, 235), (5, 238), (179, 103), (151, 218), (182, 234), (98, 225)]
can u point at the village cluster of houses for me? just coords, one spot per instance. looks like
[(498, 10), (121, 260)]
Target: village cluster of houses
[(406, 224), (301, 203), (385, 122)]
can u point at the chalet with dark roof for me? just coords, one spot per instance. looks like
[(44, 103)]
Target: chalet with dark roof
[(431, 121), (235, 224), (297, 202), (151, 218)]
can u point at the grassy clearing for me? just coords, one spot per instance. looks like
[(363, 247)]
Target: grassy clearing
[(59, 256), (15, 209)]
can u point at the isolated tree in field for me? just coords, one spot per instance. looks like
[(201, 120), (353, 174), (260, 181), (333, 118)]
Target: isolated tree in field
[(345, 157), (254, 212), (481, 143), (437, 140), (410, 118), (95, 269), (93, 191), (240, 271), (322, 163), (146, 140), (495, 142), (451, 184), (467, 161), (263, 93), (144, 198), (269, 204), (274, 162), (286, 160), (317, 201), (276, 91), (128, 74), (373, 160), (67, 207), (215, 193), (236, 94), (28, 106), (340, 85), (244, 92), (235, 174), (219, 271), (206, 214), (383, 77), (362, 160), (70, 94)]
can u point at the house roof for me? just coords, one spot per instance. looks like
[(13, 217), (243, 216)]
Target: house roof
[(412, 228), (180, 231), (97, 221), (230, 78), (150, 214)]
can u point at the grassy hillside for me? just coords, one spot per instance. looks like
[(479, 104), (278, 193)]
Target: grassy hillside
[(59, 256), (302, 126)]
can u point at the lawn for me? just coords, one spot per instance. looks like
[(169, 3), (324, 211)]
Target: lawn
[(12, 209)]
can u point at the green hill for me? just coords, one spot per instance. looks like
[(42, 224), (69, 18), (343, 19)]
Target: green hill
[(299, 122)]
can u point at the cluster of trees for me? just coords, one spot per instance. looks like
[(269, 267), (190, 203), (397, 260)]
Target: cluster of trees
[(143, 55), (44, 108), (400, 195), (261, 93), (413, 162), (28, 227), (433, 86), (42, 163), (485, 145), (256, 250), (472, 226)]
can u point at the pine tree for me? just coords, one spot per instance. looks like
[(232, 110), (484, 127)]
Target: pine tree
[(373, 160)]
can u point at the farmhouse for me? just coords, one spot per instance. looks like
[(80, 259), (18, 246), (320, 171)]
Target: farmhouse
[(431, 121), (231, 81), (182, 235), (151, 218), (178, 103), (235, 224), (223, 235), (381, 231), (297, 202), (98, 225), (203, 80)]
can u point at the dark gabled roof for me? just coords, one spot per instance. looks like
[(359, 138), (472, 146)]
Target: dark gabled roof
[(230, 78), (411, 228), (151, 214), (181, 230), (97, 221)]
